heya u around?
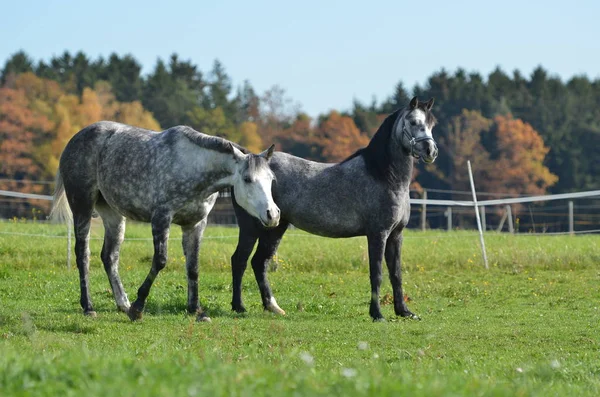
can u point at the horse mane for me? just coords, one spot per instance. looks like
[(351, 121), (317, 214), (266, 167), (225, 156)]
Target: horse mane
[(377, 154), (210, 142), (222, 145)]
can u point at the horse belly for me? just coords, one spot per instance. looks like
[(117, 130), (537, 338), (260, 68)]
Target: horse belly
[(334, 224), (195, 210), (129, 204)]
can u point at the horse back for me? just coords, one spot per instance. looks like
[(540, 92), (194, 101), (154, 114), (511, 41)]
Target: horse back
[(334, 200)]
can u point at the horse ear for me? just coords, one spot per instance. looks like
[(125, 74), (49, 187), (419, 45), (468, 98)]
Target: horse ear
[(237, 153), (268, 153), (429, 104), (414, 103)]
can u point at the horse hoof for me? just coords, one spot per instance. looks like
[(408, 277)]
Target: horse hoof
[(90, 313), (379, 320), (273, 307), (239, 310), (410, 316), (123, 308), (203, 318), (134, 314)]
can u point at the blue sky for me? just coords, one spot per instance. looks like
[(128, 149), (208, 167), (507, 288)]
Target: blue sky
[(323, 53)]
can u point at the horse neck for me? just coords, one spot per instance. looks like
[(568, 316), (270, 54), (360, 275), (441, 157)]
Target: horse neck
[(386, 156), (401, 166), (216, 167)]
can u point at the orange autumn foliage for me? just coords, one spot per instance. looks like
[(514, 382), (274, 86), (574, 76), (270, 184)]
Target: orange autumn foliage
[(340, 137), (37, 119), (519, 163)]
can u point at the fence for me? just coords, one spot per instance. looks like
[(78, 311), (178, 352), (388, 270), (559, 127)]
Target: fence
[(428, 213), (498, 214), (223, 211)]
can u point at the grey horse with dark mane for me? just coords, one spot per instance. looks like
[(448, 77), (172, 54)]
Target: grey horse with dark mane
[(159, 177), (365, 195)]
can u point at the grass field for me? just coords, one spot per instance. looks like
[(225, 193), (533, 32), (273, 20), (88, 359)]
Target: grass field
[(529, 326)]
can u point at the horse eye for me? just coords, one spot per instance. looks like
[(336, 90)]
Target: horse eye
[(247, 179), (412, 122)]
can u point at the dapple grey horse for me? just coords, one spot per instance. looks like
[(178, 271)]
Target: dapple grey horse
[(365, 195), (159, 177)]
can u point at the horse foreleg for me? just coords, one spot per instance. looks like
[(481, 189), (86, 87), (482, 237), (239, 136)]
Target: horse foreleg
[(239, 262), (376, 244), (160, 234), (192, 237), (393, 253), (267, 246)]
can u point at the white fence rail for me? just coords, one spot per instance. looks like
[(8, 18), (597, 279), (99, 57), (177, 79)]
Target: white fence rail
[(518, 200)]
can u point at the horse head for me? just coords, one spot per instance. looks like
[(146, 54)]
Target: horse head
[(252, 182), (414, 128)]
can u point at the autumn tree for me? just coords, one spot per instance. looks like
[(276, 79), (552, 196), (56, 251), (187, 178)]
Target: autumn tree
[(212, 122), (70, 113), (21, 130), (340, 137), (277, 112), (462, 143), (249, 137), (519, 155)]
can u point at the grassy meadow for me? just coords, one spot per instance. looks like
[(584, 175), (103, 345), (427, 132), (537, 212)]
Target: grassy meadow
[(528, 326)]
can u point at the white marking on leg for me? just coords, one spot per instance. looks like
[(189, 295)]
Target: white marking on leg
[(121, 298), (273, 307)]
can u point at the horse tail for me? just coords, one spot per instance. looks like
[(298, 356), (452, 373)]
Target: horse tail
[(60, 212)]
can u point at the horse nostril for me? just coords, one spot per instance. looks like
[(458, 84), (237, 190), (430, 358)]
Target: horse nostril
[(432, 151), (269, 215)]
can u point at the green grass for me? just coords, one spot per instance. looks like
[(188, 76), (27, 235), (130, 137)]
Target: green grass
[(528, 326)]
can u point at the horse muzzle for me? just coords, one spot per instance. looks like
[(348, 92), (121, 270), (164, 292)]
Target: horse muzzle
[(271, 218), (427, 151)]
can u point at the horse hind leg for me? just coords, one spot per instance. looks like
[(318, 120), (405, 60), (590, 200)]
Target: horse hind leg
[(267, 246), (114, 232), (82, 216)]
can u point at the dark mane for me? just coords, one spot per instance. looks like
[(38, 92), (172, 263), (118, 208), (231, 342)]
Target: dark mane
[(377, 154)]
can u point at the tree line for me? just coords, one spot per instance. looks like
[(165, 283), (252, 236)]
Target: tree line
[(524, 135)]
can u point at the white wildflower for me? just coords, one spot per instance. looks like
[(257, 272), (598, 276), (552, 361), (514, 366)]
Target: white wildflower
[(307, 358), (349, 372)]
